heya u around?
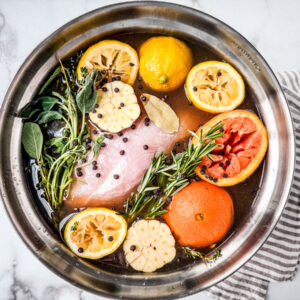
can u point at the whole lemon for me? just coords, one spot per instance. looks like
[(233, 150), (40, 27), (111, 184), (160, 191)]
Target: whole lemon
[(164, 62)]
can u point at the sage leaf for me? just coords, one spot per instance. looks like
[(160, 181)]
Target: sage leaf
[(32, 140), (161, 114), (56, 72), (47, 102), (87, 97), (48, 116), (27, 111)]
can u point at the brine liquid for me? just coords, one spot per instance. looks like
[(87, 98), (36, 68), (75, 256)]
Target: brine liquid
[(243, 194)]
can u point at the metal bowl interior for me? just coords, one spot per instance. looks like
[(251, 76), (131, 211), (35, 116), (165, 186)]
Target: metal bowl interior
[(161, 18)]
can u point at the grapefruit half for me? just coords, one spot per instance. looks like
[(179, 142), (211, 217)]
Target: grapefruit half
[(240, 151)]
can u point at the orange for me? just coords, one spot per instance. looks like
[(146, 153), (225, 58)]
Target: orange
[(215, 87), (164, 62), (200, 214), (240, 152)]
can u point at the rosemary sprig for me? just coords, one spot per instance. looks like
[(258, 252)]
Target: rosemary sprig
[(164, 179), (192, 253)]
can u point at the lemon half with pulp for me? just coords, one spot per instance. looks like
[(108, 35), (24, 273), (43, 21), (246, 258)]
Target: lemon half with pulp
[(95, 232), (215, 87), (113, 57)]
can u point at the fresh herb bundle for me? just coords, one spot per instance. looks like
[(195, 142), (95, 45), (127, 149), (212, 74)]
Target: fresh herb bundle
[(70, 108), (166, 177)]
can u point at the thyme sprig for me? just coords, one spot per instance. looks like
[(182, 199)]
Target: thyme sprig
[(165, 178), (193, 253)]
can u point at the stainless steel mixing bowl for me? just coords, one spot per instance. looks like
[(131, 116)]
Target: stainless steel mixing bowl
[(162, 18)]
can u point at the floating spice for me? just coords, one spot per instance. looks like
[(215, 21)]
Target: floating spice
[(161, 114)]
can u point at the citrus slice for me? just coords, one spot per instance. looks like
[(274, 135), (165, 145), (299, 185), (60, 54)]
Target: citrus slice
[(215, 87), (95, 232), (164, 63), (114, 58), (240, 151), (200, 214)]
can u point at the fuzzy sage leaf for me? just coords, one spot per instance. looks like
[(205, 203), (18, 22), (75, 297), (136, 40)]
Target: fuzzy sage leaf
[(48, 102), (87, 97), (48, 116), (32, 140)]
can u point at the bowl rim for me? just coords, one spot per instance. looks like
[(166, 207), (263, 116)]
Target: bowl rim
[(196, 13)]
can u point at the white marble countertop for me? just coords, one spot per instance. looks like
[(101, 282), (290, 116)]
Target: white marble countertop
[(271, 25)]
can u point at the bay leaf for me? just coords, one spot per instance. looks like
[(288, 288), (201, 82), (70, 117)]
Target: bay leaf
[(161, 114)]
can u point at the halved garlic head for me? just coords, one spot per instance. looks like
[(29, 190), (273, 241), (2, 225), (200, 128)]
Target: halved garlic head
[(149, 245), (117, 107)]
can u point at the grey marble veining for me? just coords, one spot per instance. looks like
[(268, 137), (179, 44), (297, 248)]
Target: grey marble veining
[(272, 26)]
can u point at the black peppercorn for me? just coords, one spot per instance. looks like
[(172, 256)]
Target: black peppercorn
[(95, 167), (145, 147), (88, 140), (125, 139), (221, 164), (116, 176), (131, 64), (140, 87), (110, 238), (94, 111), (143, 98), (132, 247), (80, 250), (88, 147), (219, 73), (132, 126), (104, 89), (96, 105), (95, 131), (117, 90), (122, 104), (102, 144), (227, 162), (225, 175), (120, 133), (99, 116), (98, 175), (118, 77), (94, 163), (195, 88), (197, 178), (122, 152)]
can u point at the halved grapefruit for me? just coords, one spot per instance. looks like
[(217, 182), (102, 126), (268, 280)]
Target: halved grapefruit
[(241, 149)]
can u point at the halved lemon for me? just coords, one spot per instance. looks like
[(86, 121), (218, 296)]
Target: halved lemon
[(95, 232), (215, 87), (114, 57)]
